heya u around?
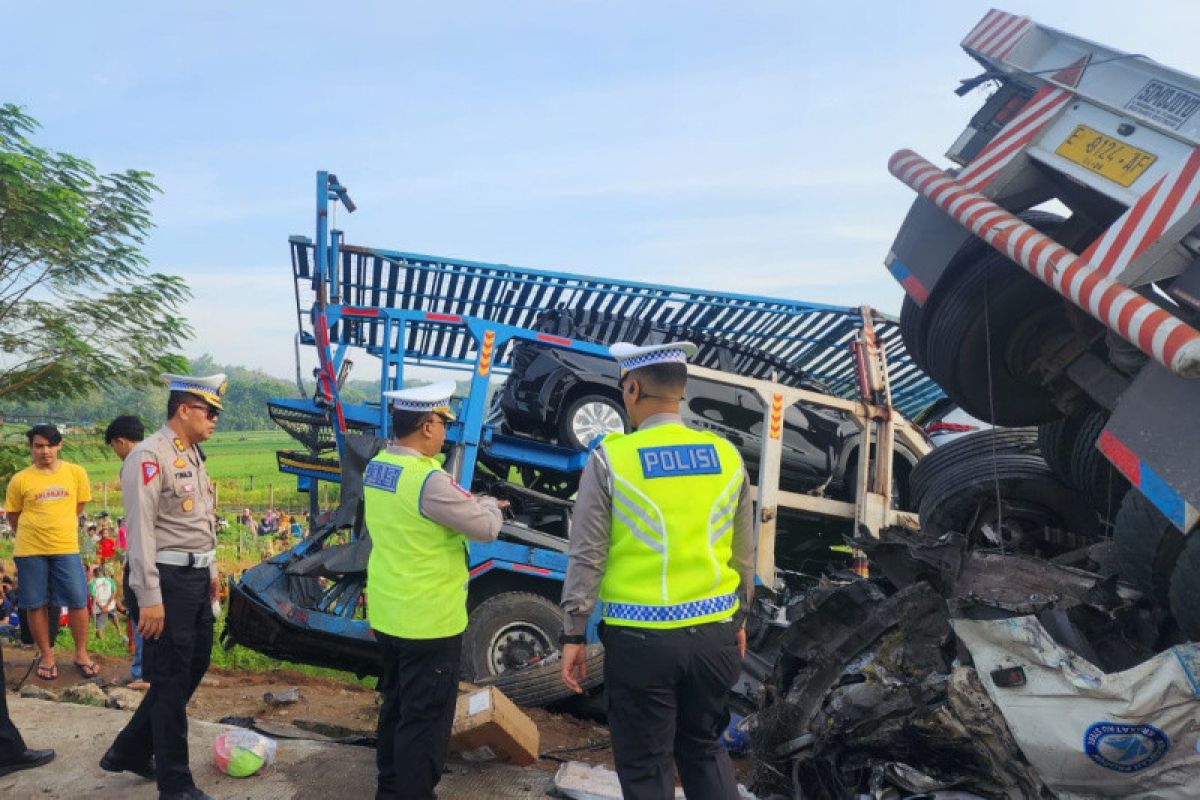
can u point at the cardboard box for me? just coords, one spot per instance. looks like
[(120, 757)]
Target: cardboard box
[(488, 726)]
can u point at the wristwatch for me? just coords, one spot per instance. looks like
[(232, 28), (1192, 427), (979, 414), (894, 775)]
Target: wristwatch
[(571, 638)]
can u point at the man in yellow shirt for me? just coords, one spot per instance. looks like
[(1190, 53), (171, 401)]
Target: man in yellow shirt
[(44, 501)]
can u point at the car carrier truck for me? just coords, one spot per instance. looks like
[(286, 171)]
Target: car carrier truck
[(1052, 274), (407, 310)]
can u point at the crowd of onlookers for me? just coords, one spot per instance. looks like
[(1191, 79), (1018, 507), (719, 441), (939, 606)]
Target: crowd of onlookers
[(276, 531), (102, 549)]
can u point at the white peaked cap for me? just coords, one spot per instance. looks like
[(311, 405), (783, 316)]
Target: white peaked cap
[(433, 397), (210, 388), (631, 356)]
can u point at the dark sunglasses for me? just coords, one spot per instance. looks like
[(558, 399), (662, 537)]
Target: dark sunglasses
[(210, 412)]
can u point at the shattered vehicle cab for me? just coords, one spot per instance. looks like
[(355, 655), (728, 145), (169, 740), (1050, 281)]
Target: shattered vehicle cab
[(1003, 675)]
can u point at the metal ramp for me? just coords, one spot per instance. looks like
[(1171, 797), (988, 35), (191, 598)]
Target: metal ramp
[(808, 337)]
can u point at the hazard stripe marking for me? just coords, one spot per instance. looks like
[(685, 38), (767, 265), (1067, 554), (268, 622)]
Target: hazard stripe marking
[(1161, 336)]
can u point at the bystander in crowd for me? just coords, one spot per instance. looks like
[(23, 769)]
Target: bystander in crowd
[(43, 503)]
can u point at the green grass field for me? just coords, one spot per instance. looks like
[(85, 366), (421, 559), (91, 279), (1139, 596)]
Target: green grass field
[(241, 463)]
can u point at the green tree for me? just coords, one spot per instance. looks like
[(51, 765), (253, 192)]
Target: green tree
[(79, 306)]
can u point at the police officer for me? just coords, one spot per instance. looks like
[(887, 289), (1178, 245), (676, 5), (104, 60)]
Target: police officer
[(170, 509), (663, 530), (419, 521)]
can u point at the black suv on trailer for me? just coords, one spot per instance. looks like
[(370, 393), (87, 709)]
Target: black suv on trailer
[(571, 398)]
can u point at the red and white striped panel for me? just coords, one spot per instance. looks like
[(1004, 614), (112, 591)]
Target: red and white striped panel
[(1031, 119), (1141, 226), (1157, 333), (997, 34)]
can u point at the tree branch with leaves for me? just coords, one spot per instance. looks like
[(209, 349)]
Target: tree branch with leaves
[(80, 307)]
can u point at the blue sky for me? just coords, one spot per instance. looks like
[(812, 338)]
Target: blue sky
[(728, 145)]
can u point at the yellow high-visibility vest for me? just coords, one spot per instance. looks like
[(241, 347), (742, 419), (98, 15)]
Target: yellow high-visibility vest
[(417, 572), (674, 495)]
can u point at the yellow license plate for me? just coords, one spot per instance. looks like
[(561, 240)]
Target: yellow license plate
[(1105, 156)]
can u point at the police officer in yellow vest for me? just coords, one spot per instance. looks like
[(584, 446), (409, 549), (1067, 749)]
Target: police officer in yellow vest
[(419, 521), (663, 530)]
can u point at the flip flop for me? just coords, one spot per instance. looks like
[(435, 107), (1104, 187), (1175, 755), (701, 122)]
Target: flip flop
[(47, 672), (88, 670)]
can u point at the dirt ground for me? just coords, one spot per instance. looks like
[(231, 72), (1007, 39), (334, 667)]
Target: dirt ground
[(327, 705)]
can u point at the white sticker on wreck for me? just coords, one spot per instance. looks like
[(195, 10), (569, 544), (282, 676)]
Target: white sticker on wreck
[(1125, 748)]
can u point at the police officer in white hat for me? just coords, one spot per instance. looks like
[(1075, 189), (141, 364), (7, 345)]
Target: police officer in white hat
[(170, 511), (419, 520), (662, 531)]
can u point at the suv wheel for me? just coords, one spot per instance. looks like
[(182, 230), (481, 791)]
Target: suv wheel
[(588, 417)]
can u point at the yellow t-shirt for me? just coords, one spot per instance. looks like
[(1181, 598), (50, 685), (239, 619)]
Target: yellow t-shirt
[(46, 502)]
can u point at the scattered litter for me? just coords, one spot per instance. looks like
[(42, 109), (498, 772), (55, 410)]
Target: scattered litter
[(581, 781), (286, 697), (242, 753)]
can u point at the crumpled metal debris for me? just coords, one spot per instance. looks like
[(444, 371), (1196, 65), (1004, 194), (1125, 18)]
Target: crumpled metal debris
[(873, 693), (871, 678)]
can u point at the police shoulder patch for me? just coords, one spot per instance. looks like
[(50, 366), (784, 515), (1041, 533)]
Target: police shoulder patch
[(380, 475), (149, 471), (675, 461)]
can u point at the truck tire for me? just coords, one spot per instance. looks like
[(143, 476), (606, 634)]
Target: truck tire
[(914, 318), (912, 331), (947, 458), (542, 684), (1148, 545), (1102, 485), (508, 632), (994, 312), (1042, 514), (1056, 441), (588, 417), (1184, 593)]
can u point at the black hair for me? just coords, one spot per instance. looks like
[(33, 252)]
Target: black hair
[(48, 432), (126, 426), (406, 422), (177, 399), (664, 377)]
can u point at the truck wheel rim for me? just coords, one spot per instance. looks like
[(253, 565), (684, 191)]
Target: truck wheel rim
[(593, 419), (518, 645)]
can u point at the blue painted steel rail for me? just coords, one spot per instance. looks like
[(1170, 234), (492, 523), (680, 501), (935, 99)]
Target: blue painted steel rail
[(810, 337)]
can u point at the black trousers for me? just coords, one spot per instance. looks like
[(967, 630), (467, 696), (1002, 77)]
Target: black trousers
[(11, 743), (419, 686), (173, 664), (668, 699)]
